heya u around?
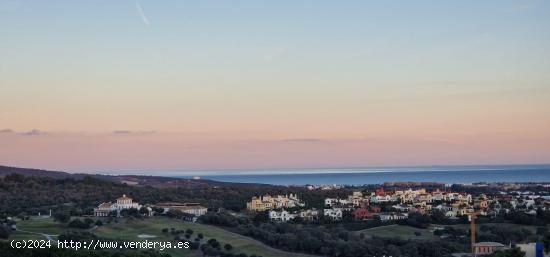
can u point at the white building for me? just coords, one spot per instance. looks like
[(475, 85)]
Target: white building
[(284, 215), (401, 208), (393, 216), (122, 203), (189, 208), (333, 213), (381, 199), (281, 215), (329, 202), (443, 208), (311, 214)]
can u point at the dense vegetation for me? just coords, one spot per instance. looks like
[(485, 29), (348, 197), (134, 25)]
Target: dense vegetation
[(21, 196), (328, 239), (337, 241), (8, 251), (31, 195), (514, 252)]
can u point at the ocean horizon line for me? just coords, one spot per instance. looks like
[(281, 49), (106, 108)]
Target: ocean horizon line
[(343, 170)]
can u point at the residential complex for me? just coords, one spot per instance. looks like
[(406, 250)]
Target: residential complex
[(268, 202)]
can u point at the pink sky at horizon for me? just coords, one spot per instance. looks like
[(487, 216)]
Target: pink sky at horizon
[(142, 151), (279, 84)]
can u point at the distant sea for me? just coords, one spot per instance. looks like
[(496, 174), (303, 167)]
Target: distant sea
[(361, 176)]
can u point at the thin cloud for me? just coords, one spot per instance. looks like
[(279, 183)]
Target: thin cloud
[(34, 132), (303, 140), (126, 132), (122, 132), (141, 14)]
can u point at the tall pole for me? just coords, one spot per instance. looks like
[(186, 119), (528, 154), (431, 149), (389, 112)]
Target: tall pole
[(473, 232)]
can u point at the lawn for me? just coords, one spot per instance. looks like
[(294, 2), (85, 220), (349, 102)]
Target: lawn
[(404, 232), (130, 229), (44, 225), (17, 235), (34, 226), (407, 232)]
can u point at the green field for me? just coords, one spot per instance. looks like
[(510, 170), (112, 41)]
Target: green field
[(407, 232), (44, 225), (16, 235), (403, 232), (129, 230)]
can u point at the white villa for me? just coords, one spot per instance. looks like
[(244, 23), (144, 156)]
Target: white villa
[(189, 208), (393, 216), (334, 213), (122, 203), (283, 215), (355, 199)]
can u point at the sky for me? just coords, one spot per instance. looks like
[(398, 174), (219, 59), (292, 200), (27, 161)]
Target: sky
[(107, 86)]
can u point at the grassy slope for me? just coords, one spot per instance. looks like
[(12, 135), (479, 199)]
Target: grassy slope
[(153, 226), (16, 235), (129, 230), (407, 232), (404, 232), (41, 225)]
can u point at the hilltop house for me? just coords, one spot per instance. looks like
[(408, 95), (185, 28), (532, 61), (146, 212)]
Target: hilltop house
[(122, 203)]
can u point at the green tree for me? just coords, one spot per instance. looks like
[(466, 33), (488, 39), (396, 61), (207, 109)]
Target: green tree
[(4, 232), (62, 217), (514, 252), (228, 247), (77, 223)]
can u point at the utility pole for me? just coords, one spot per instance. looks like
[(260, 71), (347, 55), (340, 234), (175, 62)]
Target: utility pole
[(473, 216)]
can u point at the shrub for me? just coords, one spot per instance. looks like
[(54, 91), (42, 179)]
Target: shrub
[(228, 247), (4, 232), (77, 223), (62, 217)]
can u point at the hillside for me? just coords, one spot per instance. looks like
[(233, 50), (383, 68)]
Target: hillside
[(134, 180)]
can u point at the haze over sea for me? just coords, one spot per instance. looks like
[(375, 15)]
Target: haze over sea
[(360, 176)]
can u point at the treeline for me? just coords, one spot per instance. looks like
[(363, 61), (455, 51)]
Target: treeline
[(31, 195), (504, 234), (340, 242)]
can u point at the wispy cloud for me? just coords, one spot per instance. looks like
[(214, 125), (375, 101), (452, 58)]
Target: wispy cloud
[(141, 14), (303, 140), (126, 132), (34, 132), (122, 132), (6, 131)]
